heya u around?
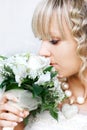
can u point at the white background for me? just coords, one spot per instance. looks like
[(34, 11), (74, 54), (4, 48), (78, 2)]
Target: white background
[(15, 27)]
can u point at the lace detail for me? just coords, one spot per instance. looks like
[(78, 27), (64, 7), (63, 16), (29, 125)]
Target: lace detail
[(44, 121)]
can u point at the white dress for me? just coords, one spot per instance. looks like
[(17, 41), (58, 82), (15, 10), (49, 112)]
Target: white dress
[(44, 121)]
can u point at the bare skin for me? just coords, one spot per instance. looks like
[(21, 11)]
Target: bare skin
[(9, 116)]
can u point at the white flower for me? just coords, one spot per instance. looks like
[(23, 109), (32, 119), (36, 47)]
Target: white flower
[(36, 65), (58, 89), (18, 79), (18, 64), (44, 78), (33, 74), (56, 82), (37, 62), (20, 72)]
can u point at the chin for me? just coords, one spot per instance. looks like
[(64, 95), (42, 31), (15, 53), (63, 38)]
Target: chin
[(62, 75)]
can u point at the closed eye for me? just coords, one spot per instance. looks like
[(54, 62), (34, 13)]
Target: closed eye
[(54, 41)]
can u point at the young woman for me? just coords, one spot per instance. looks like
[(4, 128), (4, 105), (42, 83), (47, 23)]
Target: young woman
[(62, 27)]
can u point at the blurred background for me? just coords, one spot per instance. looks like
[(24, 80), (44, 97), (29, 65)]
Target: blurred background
[(16, 34)]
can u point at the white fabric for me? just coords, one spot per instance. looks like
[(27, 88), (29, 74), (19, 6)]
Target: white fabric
[(44, 121), (7, 128)]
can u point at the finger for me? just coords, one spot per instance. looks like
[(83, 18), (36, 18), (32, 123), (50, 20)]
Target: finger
[(12, 109), (10, 117), (26, 113), (4, 123), (7, 97)]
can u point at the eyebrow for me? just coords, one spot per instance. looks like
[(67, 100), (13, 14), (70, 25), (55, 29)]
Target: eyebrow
[(55, 36)]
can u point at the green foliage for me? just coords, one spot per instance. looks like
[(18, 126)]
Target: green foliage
[(2, 57), (49, 68), (26, 120), (54, 113), (9, 81)]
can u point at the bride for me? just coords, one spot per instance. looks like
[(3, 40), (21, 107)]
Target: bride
[(62, 27)]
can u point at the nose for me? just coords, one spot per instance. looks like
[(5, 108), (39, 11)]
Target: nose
[(44, 50)]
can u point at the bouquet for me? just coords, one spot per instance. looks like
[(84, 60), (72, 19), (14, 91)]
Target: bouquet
[(33, 81)]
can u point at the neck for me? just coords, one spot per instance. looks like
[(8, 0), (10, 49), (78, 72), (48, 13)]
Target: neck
[(76, 91), (78, 86)]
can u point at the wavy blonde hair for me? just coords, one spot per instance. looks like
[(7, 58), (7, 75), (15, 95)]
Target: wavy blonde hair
[(75, 13)]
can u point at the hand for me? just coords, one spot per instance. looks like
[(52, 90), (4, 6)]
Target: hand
[(10, 116)]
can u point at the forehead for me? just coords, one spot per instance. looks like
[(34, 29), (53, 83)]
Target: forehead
[(54, 29), (59, 28)]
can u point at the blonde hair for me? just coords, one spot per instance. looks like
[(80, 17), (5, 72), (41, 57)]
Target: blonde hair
[(75, 14)]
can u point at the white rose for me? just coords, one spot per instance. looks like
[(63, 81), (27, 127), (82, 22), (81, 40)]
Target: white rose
[(20, 72), (37, 62), (44, 78)]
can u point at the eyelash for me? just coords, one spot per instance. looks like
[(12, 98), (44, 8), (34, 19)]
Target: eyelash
[(54, 42)]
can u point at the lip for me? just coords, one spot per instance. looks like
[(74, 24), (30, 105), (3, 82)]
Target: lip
[(53, 64)]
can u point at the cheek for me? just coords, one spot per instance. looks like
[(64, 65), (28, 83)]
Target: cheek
[(70, 67), (68, 62), (66, 53)]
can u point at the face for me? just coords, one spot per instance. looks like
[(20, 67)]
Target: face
[(62, 53)]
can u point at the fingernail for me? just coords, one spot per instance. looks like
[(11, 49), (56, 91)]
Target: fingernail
[(14, 124), (21, 114), (11, 97), (26, 113), (20, 119)]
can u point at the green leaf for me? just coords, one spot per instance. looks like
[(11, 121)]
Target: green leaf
[(29, 81), (48, 69), (26, 87), (12, 86), (53, 74), (26, 120), (45, 107), (54, 113), (37, 89), (8, 69), (3, 57), (1, 86)]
